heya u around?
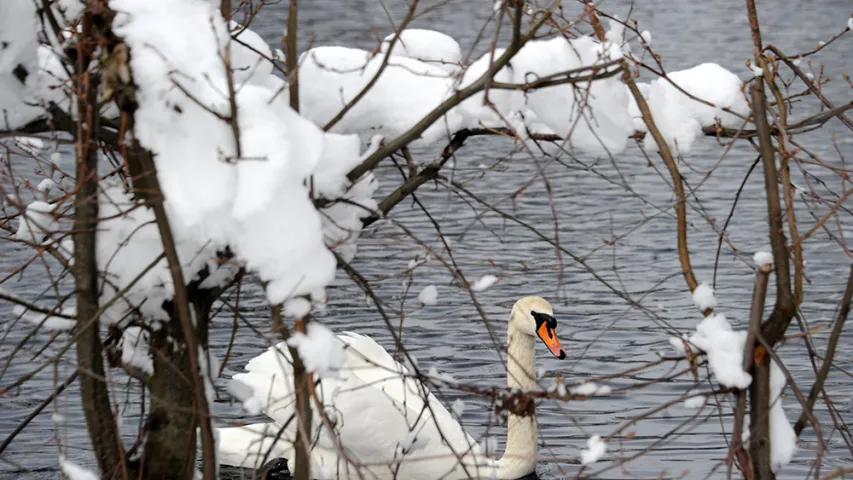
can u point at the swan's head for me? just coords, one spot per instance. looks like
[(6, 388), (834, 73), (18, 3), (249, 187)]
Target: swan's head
[(534, 316)]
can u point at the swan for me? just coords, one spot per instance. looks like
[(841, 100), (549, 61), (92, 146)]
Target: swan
[(386, 423)]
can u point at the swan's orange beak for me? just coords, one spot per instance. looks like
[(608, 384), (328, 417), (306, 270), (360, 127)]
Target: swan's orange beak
[(549, 338)]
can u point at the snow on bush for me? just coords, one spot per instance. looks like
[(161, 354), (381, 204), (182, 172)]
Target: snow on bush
[(703, 297), (762, 258), (680, 118), (319, 349)]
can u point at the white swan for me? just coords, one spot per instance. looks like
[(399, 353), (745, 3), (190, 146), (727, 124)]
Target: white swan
[(379, 411)]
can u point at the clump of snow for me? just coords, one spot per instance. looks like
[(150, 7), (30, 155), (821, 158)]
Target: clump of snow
[(135, 351), (58, 418), (428, 46), (756, 70), (595, 449), (680, 344), (646, 36), (680, 118), (703, 297), (50, 322), (724, 347), (37, 223), (762, 258), (30, 145), (319, 350), (695, 402), (75, 472), (428, 296), (783, 442), (590, 389), (251, 203), (850, 23), (297, 307), (46, 185), (484, 283), (441, 377), (413, 442)]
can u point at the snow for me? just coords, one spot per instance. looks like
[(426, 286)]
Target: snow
[(590, 389), (30, 145), (678, 344), (36, 223), (50, 322), (703, 297), (441, 377), (695, 402), (72, 471), (250, 203), (428, 46), (850, 23), (783, 442), (595, 449), (724, 347), (646, 36), (756, 70), (319, 350), (484, 283), (58, 418), (331, 76), (428, 296), (135, 352), (762, 258), (46, 185), (297, 307), (679, 118), (29, 73), (413, 442)]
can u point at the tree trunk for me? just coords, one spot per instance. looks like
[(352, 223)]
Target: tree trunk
[(759, 420), (90, 363)]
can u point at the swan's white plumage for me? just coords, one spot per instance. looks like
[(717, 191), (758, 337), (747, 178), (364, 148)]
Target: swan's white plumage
[(374, 405)]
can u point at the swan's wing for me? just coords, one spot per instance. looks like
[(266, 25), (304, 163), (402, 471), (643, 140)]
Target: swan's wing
[(375, 366)]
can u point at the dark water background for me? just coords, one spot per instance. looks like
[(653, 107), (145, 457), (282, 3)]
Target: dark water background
[(601, 332)]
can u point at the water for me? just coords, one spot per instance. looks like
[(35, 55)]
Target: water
[(602, 333)]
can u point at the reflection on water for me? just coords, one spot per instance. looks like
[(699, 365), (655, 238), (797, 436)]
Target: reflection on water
[(601, 332)]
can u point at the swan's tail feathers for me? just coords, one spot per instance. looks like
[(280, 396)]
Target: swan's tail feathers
[(247, 446)]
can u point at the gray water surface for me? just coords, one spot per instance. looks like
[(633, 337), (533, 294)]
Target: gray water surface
[(603, 334)]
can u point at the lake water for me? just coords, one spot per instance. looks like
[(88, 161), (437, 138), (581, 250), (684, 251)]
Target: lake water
[(602, 333)]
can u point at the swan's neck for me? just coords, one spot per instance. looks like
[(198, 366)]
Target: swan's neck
[(521, 450)]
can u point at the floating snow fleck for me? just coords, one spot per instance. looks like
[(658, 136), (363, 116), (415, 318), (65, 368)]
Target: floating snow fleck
[(50, 322), (695, 402), (703, 297), (647, 37), (680, 118), (724, 347), (135, 351), (595, 449), (591, 389), (678, 344), (319, 350), (784, 440), (297, 307), (756, 70), (429, 295), (485, 282), (413, 442), (37, 223), (427, 46), (458, 408), (76, 472), (58, 418), (762, 258)]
